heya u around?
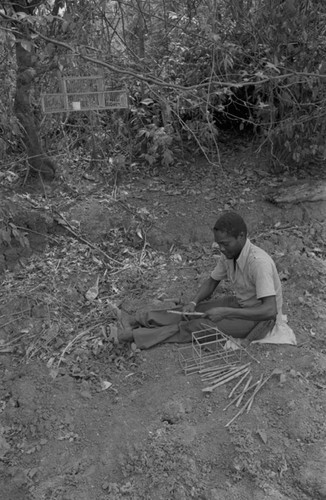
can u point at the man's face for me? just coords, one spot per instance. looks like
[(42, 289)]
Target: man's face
[(229, 245)]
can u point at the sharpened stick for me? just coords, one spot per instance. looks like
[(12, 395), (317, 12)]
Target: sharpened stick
[(216, 368), (234, 399), (181, 313), (224, 381), (238, 383), (228, 374), (242, 409), (243, 392), (208, 376), (262, 383), (246, 350)]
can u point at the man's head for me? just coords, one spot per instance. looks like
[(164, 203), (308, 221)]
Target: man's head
[(230, 233)]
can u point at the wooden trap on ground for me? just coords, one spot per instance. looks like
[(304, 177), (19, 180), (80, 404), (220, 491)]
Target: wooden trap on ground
[(209, 348)]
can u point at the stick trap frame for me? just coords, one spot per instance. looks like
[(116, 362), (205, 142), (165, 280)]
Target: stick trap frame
[(208, 349)]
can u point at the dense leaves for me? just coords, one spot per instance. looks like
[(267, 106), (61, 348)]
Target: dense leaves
[(192, 70)]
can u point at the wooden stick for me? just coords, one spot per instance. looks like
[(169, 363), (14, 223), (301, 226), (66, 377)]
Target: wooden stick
[(208, 376), (181, 313), (212, 369), (242, 409), (238, 383), (243, 392), (229, 373), (262, 383), (234, 399), (69, 228), (244, 349), (235, 369), (224, 381)]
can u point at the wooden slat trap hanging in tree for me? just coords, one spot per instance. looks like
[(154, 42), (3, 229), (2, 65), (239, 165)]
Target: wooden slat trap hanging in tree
[(83, 93)]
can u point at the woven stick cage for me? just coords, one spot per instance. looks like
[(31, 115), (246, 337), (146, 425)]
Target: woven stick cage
[(83, 93), (209, 348)]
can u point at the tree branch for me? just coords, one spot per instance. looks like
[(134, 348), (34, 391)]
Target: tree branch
[(150, 79)]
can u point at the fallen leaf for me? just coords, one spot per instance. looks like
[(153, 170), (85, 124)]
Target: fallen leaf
[(92, 293), (176, 257), (262, 434), (139, 233), (33, 472), (105, 384)]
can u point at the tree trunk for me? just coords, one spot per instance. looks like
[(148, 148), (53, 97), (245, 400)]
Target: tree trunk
[(298, 193), (40, 164)]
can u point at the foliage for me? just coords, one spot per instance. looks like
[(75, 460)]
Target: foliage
[(190, 70), (11, 235), (9, 128)]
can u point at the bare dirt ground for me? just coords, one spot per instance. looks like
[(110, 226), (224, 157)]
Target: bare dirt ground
[(84, 419)]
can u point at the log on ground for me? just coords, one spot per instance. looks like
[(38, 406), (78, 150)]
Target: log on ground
[(299, 192)]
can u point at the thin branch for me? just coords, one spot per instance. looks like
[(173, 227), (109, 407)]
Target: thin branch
[(162, 83), (67, 226)]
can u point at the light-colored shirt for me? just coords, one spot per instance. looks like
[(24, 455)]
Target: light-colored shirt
[(253, 276)]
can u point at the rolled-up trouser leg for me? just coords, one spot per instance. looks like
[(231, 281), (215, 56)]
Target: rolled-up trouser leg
[(148, 337)]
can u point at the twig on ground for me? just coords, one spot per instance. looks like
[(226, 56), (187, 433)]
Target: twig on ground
[(247, 406), (238, 383), (226, 378), (67, 226), (245, 350), (36, 232), (228, 374), (14, 314), (211, 375), (212, 369), (262, 383), (243, 391), (236, 397), (242, 409), (81, 334), (9, 322)]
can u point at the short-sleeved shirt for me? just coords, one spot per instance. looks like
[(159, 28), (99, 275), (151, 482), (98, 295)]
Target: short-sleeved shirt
[(253, 276)]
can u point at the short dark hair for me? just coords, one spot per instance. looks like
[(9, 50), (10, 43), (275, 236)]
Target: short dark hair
[(231, 223)]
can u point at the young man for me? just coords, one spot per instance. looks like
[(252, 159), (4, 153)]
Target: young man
[(248, 315)]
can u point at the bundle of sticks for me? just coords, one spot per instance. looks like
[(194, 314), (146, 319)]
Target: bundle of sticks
[(221, 375)]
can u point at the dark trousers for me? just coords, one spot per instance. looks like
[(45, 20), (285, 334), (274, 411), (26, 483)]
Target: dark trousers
[(160, 326)]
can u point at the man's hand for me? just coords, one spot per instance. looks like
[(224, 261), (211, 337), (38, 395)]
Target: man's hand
[(243, 342), (189, 308), (217, 313)]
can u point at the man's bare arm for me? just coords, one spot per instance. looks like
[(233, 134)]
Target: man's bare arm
[(206, 290), (263, 311)]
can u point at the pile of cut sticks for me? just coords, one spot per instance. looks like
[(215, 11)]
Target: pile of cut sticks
[(222, 375)]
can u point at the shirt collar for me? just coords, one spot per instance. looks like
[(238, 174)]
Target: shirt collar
[(242, 259)]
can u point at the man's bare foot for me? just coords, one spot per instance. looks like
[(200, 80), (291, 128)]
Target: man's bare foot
[(125, 328), (125, 335)]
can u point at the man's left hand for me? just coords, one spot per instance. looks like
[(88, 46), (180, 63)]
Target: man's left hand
[(217, 314)]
